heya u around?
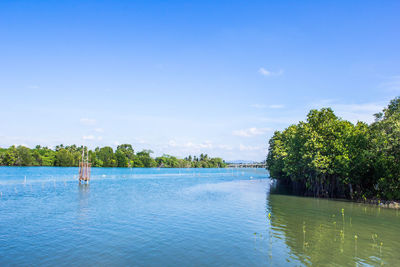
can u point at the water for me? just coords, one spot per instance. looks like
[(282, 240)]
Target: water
[(182, 217)]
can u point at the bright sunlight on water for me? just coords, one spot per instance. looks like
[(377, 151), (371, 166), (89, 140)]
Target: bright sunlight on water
[(182, 217)]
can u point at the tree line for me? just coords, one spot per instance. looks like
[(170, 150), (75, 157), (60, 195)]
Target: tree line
[(123, 156), (326, 156)]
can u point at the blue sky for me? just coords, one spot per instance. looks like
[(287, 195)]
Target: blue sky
[(190, 77)]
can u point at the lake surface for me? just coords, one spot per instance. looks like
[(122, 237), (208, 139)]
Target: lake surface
[(182, 217)]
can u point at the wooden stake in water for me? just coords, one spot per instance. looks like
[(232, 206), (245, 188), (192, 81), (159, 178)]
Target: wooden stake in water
[(84, 167)]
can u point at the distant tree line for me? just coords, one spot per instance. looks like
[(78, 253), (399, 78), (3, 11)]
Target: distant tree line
[(123, 156), (330, 157)]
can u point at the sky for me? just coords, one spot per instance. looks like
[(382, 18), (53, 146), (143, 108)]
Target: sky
[(190, 77)]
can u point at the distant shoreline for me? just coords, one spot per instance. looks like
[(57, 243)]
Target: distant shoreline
[(124, 156), (36, 166)]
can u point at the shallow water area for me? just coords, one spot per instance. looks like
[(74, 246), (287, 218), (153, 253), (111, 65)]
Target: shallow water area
[(170, 217)]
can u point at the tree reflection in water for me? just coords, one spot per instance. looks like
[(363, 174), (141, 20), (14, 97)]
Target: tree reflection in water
[(331, 232)]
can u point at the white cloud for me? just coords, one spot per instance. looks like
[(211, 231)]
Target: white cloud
[(100, 138), (206, 144), (276, 106), (266, 72), (99, 130), (353, 112), (172, 143), (49, 141), (225, 147), (251, 148), (87, 121), (139, 140), (88, 137), (186, 148), (191, 145), (251, 132), (283, 120)]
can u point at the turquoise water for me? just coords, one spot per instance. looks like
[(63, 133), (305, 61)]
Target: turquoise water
[(181, 217)]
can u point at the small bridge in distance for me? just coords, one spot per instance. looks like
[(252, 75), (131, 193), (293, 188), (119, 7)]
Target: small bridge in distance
[(246, 165)]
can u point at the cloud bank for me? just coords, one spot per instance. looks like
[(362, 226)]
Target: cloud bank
[(250, 132), (265, 72)]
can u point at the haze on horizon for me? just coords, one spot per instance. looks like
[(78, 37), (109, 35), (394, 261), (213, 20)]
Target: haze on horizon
[(190, 78)]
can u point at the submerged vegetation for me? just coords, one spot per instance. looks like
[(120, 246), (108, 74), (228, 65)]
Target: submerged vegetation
[(124, 156), (326, 156)]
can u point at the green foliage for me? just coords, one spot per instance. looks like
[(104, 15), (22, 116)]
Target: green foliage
[(385, 138), (64, 157), (24, 156), (330, 157), (145, 160), (9, 157), (107, 156), (124, 156)]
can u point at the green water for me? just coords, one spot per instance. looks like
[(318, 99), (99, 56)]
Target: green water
[(336, 233)]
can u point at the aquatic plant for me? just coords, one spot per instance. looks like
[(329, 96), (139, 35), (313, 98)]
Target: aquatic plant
[(374, 237)]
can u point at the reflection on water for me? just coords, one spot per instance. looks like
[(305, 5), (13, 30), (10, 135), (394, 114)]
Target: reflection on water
[(182, 217), (84, 194), (326, 232)]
